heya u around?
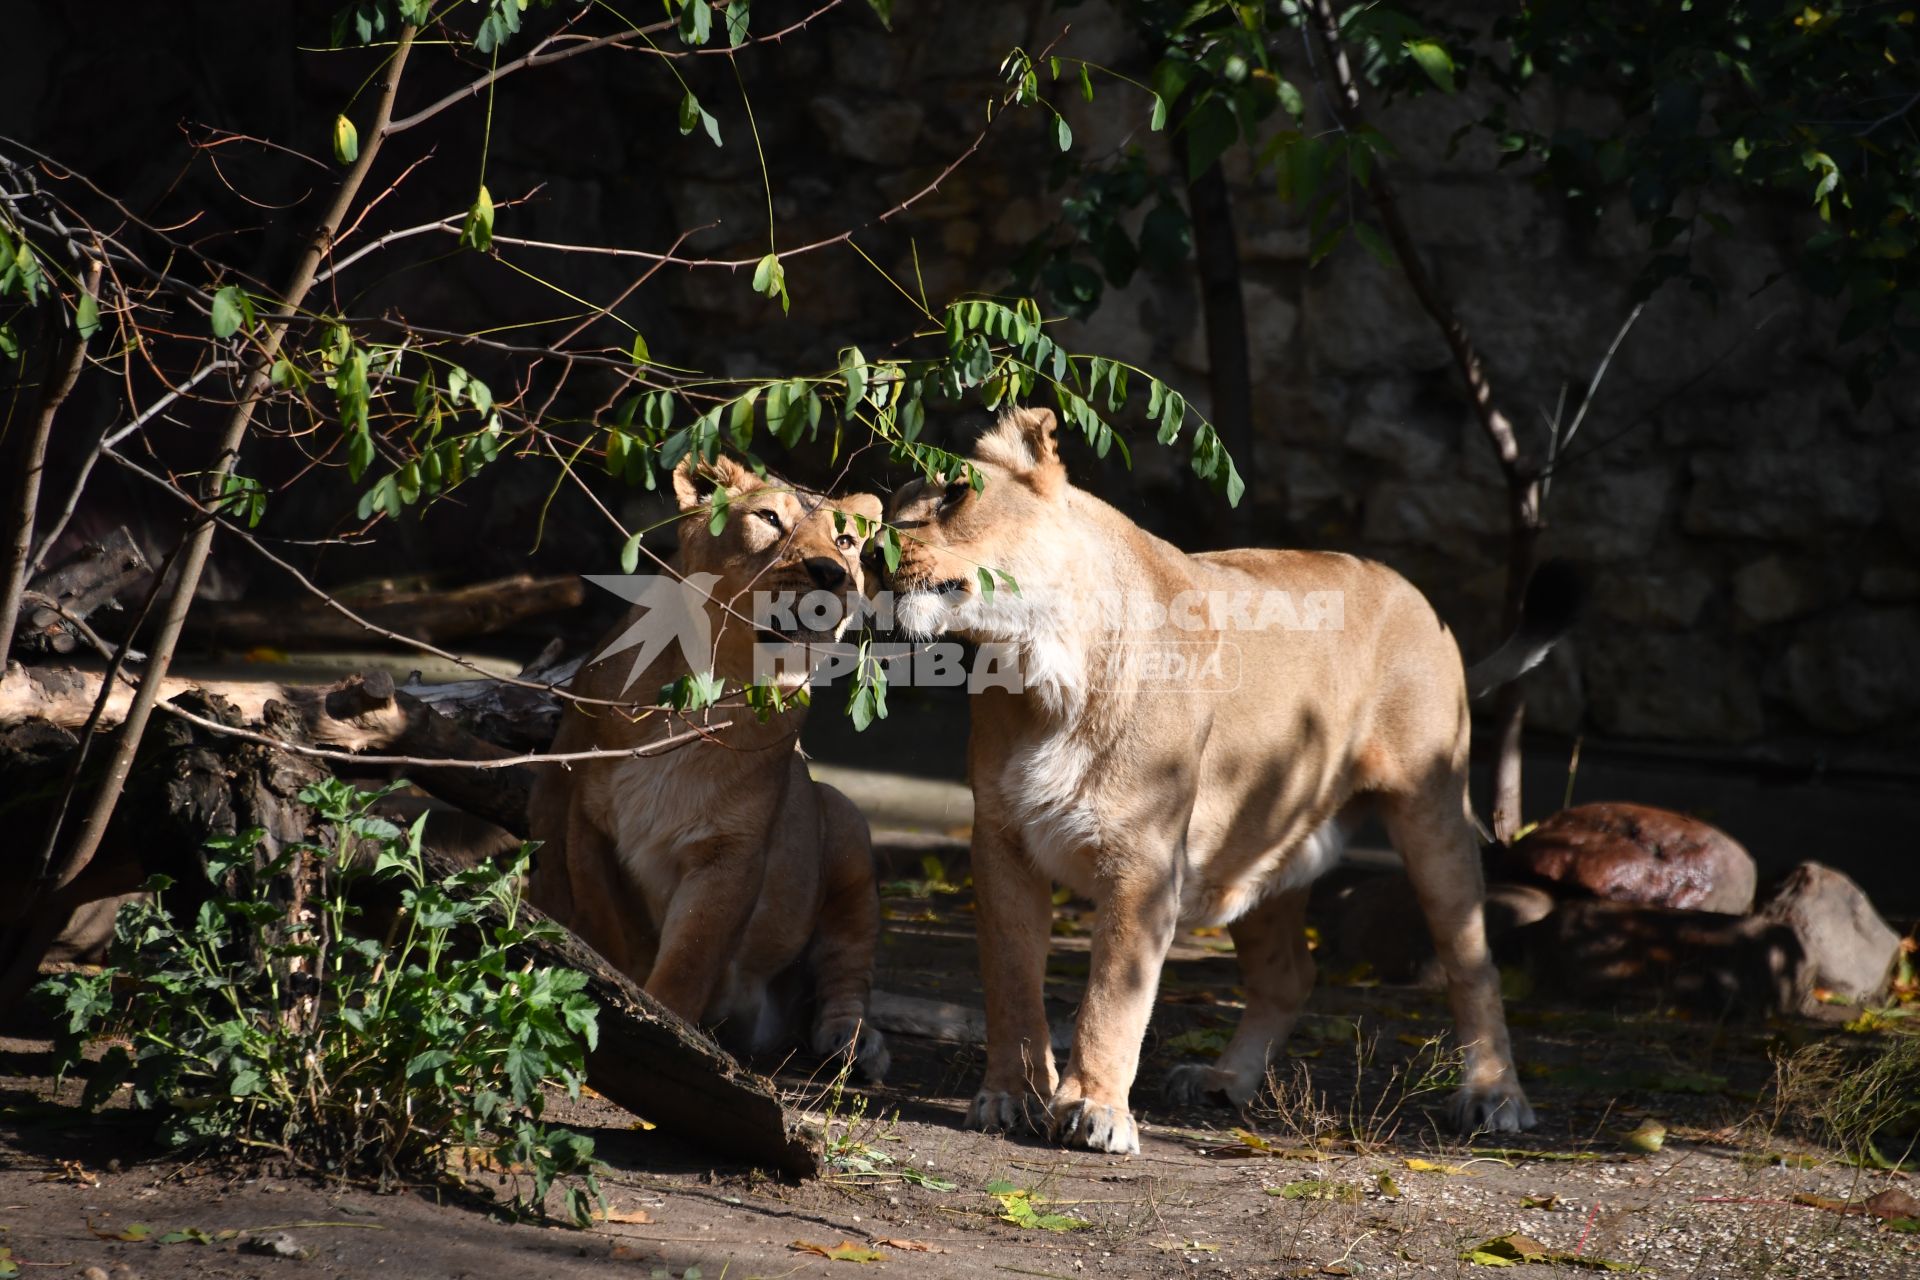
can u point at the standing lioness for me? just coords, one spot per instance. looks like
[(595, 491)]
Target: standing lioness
[(1192, 738), (719, 875)]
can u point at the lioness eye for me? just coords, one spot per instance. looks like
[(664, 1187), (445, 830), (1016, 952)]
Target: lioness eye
[(846, 542), (770, 516)]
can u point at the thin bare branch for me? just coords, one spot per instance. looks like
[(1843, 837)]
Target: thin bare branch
[(58, 867), (33, 464)]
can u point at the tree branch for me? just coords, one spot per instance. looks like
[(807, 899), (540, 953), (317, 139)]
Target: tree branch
[(55, 867), (33, 464)]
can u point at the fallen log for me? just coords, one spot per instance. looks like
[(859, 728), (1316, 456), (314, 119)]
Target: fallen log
[(190, 783), (56, 605), (435, 616), (361, 713)]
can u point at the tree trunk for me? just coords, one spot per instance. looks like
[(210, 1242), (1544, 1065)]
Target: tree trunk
[(1229, 368)]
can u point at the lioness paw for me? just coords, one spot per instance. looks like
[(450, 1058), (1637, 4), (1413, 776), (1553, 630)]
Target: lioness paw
[(1196, 1084), (996, 1111), (833, 1037), (1096, 1126), (1497, 1108)]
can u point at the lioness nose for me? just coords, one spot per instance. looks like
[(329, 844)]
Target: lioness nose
[(826, 573)]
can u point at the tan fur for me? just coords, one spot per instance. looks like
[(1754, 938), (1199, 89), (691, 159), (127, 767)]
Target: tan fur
[(1171, 804), (719, 875)]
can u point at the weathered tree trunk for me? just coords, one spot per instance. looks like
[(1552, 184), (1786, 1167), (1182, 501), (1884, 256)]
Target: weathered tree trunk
[(435, 616), (1223, 309)]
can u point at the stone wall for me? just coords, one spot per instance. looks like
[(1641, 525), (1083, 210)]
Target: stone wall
[(1754, 536)]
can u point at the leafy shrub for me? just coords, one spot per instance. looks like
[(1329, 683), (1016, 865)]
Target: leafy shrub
[(267, 1025)]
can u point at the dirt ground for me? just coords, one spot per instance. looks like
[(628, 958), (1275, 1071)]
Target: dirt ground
[(1344, 1174)]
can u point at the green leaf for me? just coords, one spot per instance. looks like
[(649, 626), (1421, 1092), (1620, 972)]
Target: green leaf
[(1062, 132), (1435, 61), (736, 14), (853, 371), (770, 279), (230, 309), (346, 140), (883, 9), (86, 316), (1374, 243), (9, 345), (641, 355), (1158, 119), (1290, 100), (477, 231), (696, 22)]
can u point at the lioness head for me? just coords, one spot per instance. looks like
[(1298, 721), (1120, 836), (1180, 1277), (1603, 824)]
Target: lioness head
[(1019, 524), (788, 570)]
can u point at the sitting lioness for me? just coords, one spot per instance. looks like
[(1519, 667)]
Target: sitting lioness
[(714, 869), (1192, 737)]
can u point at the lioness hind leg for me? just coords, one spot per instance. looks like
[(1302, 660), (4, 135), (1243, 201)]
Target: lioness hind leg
[(1431, 832), (845, 938), (1277, 968)]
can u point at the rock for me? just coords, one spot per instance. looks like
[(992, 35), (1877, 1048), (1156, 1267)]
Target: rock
[(94, 1273), (1774, 589), (1620, 953), (1377, 921), (1612, 515), (1856, 672), (1673, 687), (1903, 499), (1362, 317), (1893, 1203), (1449, 213), (1669, 600), (1890, 584), (881, 131), (1846, 948), (1762, 493), (1639, 854), (1391, 424), (1448, 516)]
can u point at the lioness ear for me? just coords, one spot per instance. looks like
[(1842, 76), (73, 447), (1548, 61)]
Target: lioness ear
[(1023, 441), (695, 479)]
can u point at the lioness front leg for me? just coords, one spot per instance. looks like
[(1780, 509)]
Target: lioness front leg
[(702, 925), (845, 937), (1138, 913), (1271, 944), (1433, 838), (1015, 913)]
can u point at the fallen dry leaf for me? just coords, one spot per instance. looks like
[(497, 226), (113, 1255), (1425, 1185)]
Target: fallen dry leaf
[(909, 1246), (1893, 1203), (633, 1217), (845, 1251)]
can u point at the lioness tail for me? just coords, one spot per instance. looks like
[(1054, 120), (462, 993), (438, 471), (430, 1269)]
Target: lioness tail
[(1555, 595)]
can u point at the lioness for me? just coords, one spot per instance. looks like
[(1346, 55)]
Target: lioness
[(710, 871), (1213, 798)]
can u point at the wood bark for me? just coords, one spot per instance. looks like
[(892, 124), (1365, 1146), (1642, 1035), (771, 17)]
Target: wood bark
[(434, 616), (362, 713)]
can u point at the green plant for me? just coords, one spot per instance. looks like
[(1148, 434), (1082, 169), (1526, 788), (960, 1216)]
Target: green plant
[(264, 1022)]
